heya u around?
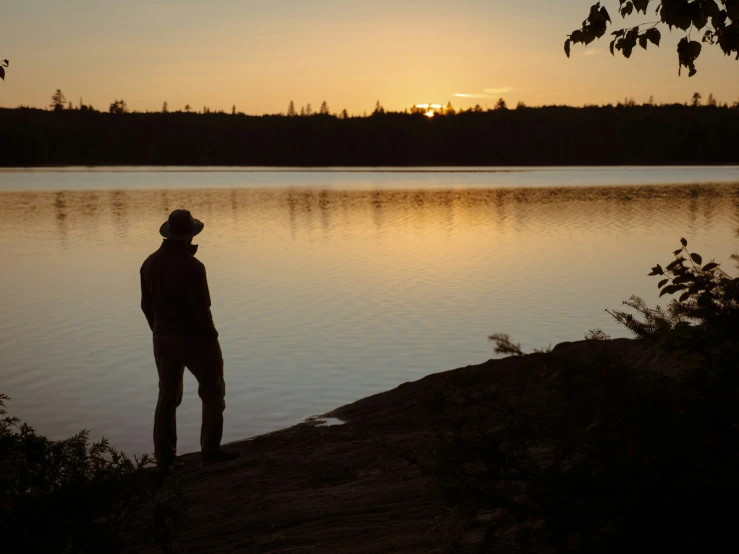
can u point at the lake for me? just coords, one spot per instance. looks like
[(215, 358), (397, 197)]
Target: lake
[(327, 285)]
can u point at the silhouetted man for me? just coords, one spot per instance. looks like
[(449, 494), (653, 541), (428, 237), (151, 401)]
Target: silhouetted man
[(176, 302)]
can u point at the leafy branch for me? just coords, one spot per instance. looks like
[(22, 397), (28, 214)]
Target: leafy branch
[(720, 18), (699, 326)]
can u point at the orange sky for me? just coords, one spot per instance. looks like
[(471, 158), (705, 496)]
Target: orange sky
[(259, 55)]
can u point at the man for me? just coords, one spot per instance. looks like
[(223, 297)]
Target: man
[(176, 302)]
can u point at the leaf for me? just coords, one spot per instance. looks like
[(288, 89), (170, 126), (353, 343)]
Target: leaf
[(2, 72), (683, 242), (619, 33), (657, 270), (613, 43), (676, 252), (695, 48), (710, 267), (641, 5), (710, 7), (700, 19), (719, 20), (568, 44), (668, 290), (680, 17), (643, 41), (662, 283), (627, 9), (653, 35), (684, 296), (696, 258), (589, 35), (684, 278), (604, 15)]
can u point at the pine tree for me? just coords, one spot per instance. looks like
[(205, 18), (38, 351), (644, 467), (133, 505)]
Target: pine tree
[(58, 101)]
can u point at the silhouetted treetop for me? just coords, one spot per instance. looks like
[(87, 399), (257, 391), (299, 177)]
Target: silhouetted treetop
[(118, 107), (553, 135), (719, 18), (58, 100)]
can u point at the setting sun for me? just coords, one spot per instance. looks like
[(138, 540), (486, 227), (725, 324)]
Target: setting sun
[(429, 110)]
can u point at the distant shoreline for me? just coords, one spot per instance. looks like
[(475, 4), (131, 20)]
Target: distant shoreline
[(529, 137)]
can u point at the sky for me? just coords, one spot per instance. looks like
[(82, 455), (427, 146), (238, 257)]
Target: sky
[(260, 54)]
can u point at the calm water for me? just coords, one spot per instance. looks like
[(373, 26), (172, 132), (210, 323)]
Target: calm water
[(326, 286)]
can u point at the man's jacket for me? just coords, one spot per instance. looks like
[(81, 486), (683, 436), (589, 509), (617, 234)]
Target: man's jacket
[(174, 292)]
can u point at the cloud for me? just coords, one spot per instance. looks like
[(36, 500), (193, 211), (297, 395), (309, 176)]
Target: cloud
[(488, 93), (499, 90), (590, 52), (473, 95)]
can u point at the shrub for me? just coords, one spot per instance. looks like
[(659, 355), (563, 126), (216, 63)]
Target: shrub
[(72, 495)]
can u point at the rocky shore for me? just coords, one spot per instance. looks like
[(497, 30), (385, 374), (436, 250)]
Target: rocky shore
[(344, 488)]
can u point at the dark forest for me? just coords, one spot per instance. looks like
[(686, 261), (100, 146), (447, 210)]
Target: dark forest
[(557, 135)]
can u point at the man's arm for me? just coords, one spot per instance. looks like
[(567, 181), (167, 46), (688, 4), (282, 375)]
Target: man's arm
[(146, 304), (197, 289)]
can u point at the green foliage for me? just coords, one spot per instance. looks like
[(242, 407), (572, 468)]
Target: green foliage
[(720, 18), (3, 65), (75, 496)]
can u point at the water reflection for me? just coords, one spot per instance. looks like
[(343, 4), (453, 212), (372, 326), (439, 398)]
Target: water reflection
[(322, 295), (80, 212)]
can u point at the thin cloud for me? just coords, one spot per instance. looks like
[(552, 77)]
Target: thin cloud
[(590, 52), (473, 95), (500, 90)]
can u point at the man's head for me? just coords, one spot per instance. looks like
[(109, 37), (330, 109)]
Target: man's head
[(181, 225)]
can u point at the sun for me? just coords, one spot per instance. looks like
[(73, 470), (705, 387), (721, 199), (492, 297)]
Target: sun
[(430, 110)]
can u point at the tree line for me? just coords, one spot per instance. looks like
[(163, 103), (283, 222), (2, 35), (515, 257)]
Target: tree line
[(697, 132)]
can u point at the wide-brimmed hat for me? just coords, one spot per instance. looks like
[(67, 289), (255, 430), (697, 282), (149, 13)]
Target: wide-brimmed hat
[(181, 225)]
